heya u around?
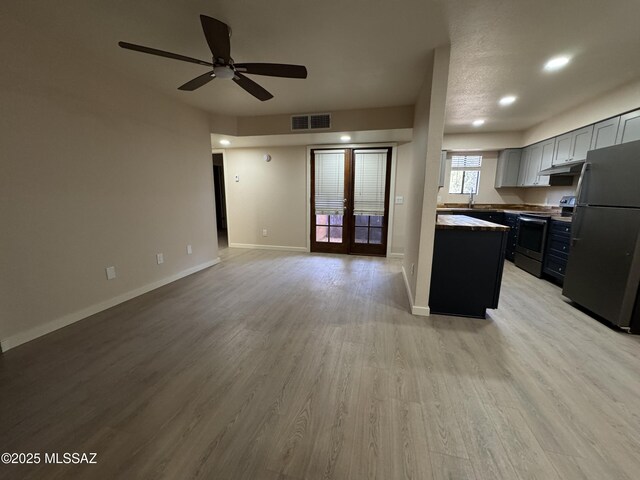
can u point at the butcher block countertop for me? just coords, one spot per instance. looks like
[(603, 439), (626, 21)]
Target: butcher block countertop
[(462, 222)]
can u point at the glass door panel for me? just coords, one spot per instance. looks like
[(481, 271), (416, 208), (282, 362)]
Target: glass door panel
[(350, 200), (330, 170), (370, 186)]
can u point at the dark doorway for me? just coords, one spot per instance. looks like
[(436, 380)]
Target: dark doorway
[(221, 203)]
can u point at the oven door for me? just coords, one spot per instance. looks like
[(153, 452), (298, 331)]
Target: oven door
[(531, 237)]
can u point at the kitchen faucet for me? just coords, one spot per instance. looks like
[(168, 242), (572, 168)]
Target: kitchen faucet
[(471, 200)]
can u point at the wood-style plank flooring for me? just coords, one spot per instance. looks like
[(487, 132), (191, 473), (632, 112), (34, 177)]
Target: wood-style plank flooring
[(275, 365)]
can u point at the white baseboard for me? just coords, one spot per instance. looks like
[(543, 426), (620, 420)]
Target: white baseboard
[(420, 311), (406, 285), (396, 255), (415, 309), (256, 246), (65, 320)]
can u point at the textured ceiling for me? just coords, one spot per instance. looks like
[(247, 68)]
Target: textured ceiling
[(367, 53)]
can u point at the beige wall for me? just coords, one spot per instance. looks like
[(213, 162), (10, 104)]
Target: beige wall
[(95, 171), (274, 195), (424, 170), (482, 141), (404, 153), (486, 191), (618, 101), (269, 195), (341, 121), (549, 196)]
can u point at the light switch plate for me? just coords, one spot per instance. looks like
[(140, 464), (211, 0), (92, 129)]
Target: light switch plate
[(399, 200), (111, 273), (160, 258), (189, 250)]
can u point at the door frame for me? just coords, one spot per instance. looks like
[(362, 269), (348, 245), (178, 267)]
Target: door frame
[(392, 183)]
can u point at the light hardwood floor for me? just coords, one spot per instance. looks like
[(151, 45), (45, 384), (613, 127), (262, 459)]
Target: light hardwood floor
[(275, 365)]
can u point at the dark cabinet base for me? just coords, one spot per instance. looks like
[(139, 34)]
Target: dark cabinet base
[(467, 272)]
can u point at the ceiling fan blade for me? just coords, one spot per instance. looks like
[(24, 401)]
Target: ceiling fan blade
[(217, 35), (162, 53), (273, 69), (197, 82), (252, 87)]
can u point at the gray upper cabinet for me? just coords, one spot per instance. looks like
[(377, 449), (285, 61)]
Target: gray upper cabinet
[(581, 143), (629, 129), (573, 146), (533, 167), (604, 133), (524, 167), (535, 158), (563, 148), (508, 168), (546, 161), (443, 167)]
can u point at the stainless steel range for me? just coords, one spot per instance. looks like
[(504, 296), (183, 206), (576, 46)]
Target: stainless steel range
[(532, 235)]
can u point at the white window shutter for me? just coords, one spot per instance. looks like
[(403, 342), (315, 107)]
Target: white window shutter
[(329, 182), (370, 173)]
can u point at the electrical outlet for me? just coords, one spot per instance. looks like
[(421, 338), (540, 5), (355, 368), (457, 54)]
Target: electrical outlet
[(189, 250), (399, 200), (264, 232), (160, 258), (111, 273), (237, 178), (413, 269)]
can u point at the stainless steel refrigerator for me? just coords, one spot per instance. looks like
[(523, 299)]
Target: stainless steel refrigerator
[(603, 272)]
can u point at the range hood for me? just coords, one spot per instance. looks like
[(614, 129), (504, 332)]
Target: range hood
[(565, 169)]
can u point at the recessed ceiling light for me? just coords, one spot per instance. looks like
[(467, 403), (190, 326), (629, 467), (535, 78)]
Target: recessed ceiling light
[(345, 138), (224, 141), (508, 100), (556, 63), (477, 123)]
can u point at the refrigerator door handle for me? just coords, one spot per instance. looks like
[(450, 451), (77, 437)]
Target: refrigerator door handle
[(575, 230), (583, 172)]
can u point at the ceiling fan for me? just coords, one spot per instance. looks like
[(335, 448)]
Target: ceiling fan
[(218, 34)]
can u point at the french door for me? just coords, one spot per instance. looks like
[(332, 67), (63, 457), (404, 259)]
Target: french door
[(350, 200)]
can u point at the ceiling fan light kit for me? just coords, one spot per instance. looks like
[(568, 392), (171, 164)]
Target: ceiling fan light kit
[(218, 35)]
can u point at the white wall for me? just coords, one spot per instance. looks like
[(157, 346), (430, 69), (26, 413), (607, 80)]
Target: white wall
[(96, 171)]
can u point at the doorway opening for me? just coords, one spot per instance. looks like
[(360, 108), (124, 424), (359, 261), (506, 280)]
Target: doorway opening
[(350, 200), (220, 200)]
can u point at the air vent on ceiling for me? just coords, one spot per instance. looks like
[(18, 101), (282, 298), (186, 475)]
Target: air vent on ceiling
[(316, 121)]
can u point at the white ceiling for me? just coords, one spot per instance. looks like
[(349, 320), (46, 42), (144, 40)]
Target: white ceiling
[(367, 53)]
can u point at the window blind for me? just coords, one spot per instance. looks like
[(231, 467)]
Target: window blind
[(329, 182), (370, 173), (466, 161)]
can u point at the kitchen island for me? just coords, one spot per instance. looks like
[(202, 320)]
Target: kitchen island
[(468, 259)]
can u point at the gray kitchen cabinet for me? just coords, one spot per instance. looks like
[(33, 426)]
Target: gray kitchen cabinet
[(573, 146), (524, 167), (533, 167), (536, 157), (508, 168), (443, 167), (604, 133), (546, 159), (629, 129)]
